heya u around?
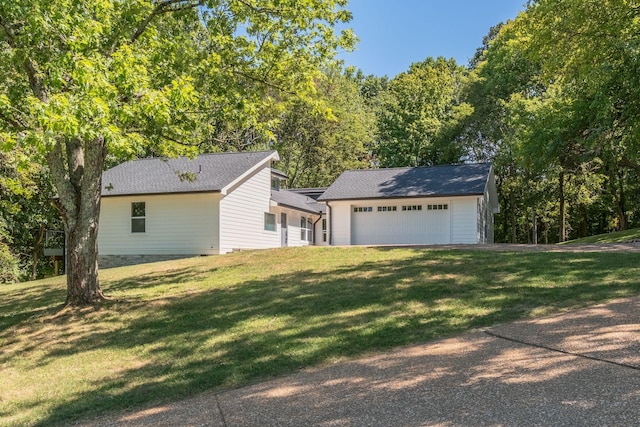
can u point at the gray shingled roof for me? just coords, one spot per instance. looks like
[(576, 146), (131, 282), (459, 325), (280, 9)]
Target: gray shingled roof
[(451, 180), (297, 201), (212, 173)]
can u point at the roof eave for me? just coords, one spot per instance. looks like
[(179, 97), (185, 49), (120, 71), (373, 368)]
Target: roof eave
[(424, 196), (297, 208), (159, 193)]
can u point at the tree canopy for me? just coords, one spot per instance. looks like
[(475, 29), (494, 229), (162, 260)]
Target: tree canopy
[(84, 80)]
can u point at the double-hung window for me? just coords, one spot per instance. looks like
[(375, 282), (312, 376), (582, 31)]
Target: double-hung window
[(324, 229), (269, 221), (309, 230), (303, 228), (138, 217), (306, 233)]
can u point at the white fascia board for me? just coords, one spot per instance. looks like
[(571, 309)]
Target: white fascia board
[(272, 158)]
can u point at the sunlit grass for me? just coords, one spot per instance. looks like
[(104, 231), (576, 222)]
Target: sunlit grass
[(615, 237), (181, 327)]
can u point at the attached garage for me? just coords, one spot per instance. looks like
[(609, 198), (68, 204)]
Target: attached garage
[(430, 205), (408, 222)]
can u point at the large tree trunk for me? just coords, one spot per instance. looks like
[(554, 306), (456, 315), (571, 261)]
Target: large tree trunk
[(77, 175), (35, 254), (621, 205), (562, 234)]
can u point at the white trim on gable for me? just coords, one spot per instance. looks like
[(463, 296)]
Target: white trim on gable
[(272, 158)]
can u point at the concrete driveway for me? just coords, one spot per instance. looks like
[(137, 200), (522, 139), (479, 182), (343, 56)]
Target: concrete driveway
[(578, 368)]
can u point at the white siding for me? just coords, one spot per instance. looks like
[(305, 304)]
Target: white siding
[(293, 225), (340, 222), (176, 224), (319, 234), (464, 220), (242, 215)]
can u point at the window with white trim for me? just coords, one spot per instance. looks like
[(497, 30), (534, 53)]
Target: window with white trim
[(269, 221), (387, 208), (138, 217), (324, 229), (275, 183), (306, 233), (438, 207), (359, 209), (412, 207)]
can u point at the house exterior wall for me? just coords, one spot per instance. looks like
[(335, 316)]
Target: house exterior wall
[(339, 219), (464, 222), (322, 235), (294, 226), (242, 212), (457, 224), (485, 219), (175, 224)]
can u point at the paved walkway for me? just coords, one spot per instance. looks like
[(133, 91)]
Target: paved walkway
[(579, 368)]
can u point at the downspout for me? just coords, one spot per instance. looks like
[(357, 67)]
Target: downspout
[(330, 224), (314, 229)]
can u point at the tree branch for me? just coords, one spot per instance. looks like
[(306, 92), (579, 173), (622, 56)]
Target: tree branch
[(260, 9), (66, 201), (13, 121), (166, 6), (262, 81), (628, 163), (163, 7), (32, 73)]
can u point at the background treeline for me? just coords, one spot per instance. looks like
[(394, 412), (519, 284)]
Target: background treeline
[(552, 98)]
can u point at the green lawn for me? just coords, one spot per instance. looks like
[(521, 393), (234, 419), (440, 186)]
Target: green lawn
[(182, 327), (615, 237)]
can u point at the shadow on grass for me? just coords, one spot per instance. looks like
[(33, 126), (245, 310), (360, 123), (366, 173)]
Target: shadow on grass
[(228, 336), (22, 304)]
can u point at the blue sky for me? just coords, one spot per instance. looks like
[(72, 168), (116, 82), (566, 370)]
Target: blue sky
[(395, 33)]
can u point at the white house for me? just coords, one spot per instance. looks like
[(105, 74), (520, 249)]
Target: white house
[(423, 205), (155, 209)]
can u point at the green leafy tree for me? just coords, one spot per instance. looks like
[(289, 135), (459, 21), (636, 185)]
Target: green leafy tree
[(26, 206), (82, 80), (416, 125), (319, 138), (591, 55), (554, 92)]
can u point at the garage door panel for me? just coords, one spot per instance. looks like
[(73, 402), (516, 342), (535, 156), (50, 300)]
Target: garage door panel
[(372, 227)]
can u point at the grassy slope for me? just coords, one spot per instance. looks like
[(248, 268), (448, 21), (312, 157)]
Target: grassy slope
[(203, 323), (615, 237)]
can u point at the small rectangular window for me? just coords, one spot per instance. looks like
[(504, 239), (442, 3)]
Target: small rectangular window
[(269, 221), (324, 229), (138, 217), (303, 228)]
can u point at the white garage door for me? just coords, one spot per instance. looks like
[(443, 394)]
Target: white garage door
[(401, 224)]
